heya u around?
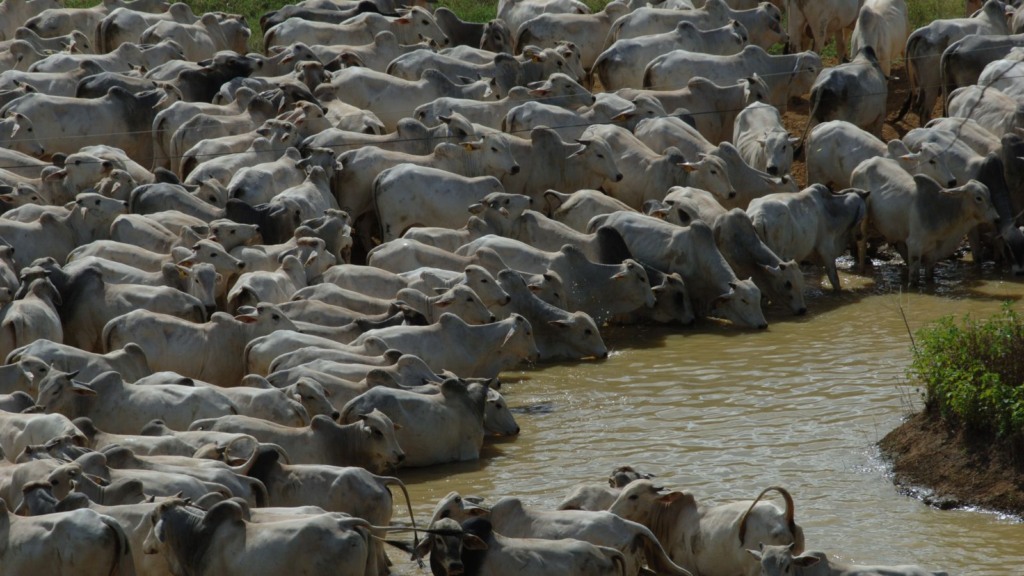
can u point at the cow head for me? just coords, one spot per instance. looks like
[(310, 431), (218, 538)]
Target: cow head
[(598, 158), (376, 432), (779, 560), (424, 25), (643, 502), (445, 542), (709, 173), (458, 508), (741, 305)]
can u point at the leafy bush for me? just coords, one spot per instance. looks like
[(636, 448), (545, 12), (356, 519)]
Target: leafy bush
[(973, 372)]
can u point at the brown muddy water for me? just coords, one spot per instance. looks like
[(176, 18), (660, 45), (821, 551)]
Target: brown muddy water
[(724, 413)]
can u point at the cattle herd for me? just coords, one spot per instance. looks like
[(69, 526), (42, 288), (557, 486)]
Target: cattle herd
[(237, 288)]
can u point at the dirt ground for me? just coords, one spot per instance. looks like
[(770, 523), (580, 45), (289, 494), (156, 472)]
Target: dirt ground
[(950, 469)]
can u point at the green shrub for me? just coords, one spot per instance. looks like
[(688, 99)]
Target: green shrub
[(973, 372)]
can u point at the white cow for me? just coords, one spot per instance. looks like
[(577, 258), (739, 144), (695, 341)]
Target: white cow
[(835, 148), (437, 426), (82, 542), (648, 174), (222, 542), (762, 139), (587, 31), (724, 532), (787, 75), (408, 28), (883, 25), (513, 519), (825, 19), (121, 408), (855, 91), (924, 221), (692, 253), (763, 22), (369, 443), (409, 195), (215, 347), (992, 109), (621, 65), (451, 546), (469, 351), (813, 224)]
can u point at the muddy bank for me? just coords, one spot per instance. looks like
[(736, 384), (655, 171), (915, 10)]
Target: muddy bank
[(949, 468)]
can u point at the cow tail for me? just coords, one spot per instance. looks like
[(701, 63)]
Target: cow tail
[(385, 233), (598, 68), (815, 103), (389, 481), (618, 560), (123, 564), (913, 95), (790, 511), (613, 32), (946, 80), (108, 334), (102, 33), (647, 84), (657, 558)]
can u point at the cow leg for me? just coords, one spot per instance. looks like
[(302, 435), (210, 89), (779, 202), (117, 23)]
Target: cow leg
[(833, 274), (862, 249)]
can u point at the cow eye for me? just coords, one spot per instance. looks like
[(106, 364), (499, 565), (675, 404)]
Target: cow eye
[(378, 434), (276, 316), (493, 149), (633, 497), (483, 281), (470, 300), (600, 156), (588, 332), (789, 285)]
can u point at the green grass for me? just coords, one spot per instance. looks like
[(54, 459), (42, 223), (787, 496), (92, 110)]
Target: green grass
[(973, 373), (924, 11)]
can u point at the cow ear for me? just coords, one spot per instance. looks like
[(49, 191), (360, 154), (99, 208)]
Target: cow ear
[(226, 511), (805, 561), (927, 184), (81, 388), (559, 323), (423, 548), (755, 553), (476, 208), (473, 542)]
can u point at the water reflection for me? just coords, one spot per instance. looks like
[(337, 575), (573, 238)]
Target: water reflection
[(724, 413)]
